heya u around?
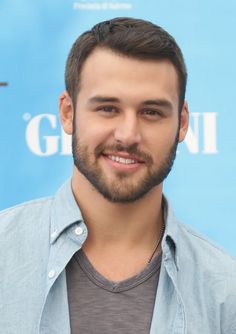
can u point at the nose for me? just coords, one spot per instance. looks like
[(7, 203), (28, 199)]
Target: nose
[(127, 131)]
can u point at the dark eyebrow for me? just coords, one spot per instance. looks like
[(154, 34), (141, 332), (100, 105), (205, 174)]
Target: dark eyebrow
[(159, 103), (102, 99)]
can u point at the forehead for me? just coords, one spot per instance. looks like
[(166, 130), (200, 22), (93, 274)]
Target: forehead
[(107, 72)]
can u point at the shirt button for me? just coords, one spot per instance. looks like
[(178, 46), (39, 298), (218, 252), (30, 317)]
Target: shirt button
[(54, 234), (79, 230), (51, 273)]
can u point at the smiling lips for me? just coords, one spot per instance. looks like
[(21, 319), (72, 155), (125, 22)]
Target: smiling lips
[(125, 159), (122, 160)]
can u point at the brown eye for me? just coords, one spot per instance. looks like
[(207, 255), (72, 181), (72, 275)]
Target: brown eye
[(107, 109), (152, 113)]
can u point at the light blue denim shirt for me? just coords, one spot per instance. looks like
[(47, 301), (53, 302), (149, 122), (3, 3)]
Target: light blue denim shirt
[(197, 286)]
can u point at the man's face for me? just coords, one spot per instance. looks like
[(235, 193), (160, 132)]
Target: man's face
[(126, 124)]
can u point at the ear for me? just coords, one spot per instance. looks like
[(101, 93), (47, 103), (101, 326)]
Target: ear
[(184, 121), (66, 112)]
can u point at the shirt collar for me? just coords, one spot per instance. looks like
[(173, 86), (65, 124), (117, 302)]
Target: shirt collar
[(170, 239), (65, 211)]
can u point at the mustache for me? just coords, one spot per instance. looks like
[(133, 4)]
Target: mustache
[(132, 149)]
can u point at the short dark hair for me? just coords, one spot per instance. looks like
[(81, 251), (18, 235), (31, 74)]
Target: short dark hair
[(127, 36)]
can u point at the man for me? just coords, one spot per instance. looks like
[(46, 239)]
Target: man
[(106, 255)]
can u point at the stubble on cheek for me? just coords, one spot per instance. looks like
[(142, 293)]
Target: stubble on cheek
[(121, 187)]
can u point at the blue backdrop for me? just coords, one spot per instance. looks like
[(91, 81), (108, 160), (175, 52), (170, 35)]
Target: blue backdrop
[(35, 39)]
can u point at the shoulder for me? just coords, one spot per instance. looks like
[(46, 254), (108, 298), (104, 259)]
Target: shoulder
[(204, 248), (25, 213), (196, 249), (26, 206), (209, 263), (25, 233), (210, 273)]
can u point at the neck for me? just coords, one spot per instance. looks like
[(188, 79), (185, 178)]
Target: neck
[(114, 224)]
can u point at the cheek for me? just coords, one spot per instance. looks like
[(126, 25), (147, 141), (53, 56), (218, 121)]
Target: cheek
[(161, 136), (90, 135), (160, 142)]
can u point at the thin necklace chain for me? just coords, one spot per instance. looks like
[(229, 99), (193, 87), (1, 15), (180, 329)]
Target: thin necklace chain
[(158, 241)]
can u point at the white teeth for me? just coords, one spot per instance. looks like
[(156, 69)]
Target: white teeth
[(122, 160)]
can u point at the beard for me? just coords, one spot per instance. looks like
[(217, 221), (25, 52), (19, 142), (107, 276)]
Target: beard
[(122, 188)]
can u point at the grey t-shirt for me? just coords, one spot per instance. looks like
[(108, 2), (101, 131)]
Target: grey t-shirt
[(98, 305)]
